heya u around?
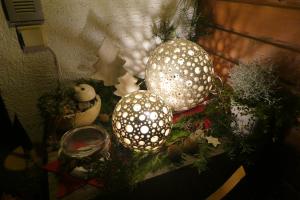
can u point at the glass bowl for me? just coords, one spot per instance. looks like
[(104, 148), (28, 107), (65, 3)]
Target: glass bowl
[(85, 141)]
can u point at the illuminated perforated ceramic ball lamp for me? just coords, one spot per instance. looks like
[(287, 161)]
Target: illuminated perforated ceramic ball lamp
[(180, 72), (142, 121)]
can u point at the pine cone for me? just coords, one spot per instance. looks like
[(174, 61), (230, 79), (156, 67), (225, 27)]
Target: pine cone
[(190, 146), (174, 152)]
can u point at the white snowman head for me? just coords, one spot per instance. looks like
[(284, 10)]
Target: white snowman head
[(84, 92)]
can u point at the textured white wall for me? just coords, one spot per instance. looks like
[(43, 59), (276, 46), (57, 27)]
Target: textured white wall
[(23, 78), (75, 31)]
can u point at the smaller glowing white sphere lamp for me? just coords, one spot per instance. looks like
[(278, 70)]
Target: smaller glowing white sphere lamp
[(142, 121), (180, 72)]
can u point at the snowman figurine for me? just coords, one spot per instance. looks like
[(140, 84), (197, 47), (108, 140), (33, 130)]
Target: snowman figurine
[(88, 105)]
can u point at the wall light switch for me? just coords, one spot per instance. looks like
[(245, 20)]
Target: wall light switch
[(31, 38)]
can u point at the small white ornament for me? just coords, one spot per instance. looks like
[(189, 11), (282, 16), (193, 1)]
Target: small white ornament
[(88, 116), (84, 92), (212, 140), (89, 105), (127, 84)]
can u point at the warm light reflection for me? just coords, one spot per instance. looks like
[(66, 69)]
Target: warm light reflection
[(180, 72), (142, 121)]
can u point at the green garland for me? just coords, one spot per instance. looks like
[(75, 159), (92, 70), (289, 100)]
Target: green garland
[(126, 168)]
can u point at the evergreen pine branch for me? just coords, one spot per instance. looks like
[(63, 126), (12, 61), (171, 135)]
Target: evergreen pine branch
[(177, 135), (202, 156), (147, 163)]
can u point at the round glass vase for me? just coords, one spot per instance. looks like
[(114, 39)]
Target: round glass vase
[(81, 147)]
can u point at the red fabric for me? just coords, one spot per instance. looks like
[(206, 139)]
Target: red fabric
[(67, 183), (52, 166), (197, 109), (96, 183)]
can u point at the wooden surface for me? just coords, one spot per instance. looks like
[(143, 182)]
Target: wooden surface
[(292, 4), (245, 30), (89, 192)]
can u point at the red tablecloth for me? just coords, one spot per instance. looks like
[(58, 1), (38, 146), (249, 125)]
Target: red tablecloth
[(68, 183)]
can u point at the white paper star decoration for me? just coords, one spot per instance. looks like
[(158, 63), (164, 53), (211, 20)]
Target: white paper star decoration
[(212, 140)]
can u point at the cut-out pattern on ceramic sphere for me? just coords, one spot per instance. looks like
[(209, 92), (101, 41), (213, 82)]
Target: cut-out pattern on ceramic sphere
[(180, 72), (146, 124)]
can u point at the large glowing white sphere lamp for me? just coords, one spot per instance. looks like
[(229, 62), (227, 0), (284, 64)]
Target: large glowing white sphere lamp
[(180, 72)]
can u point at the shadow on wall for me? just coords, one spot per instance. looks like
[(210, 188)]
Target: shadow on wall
[(77, 32), (73, 38), (128, 26), (226, 47), (230, 41), (132, 44)]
